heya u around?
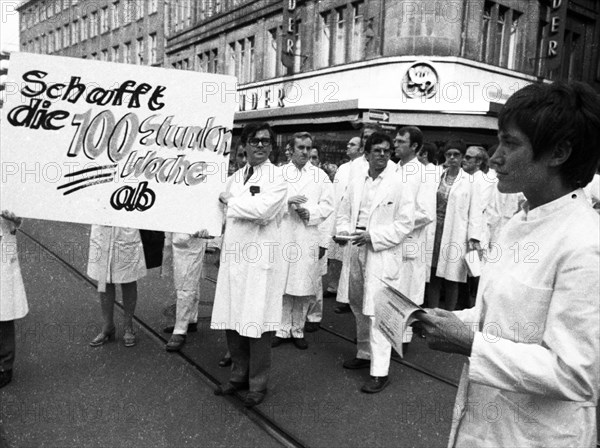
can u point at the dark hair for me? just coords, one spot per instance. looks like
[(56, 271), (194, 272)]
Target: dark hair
[(456, 144), (375, 138), (431, 149), (484, 158), (251, 129), (366, 126), (559, 114), (415, 135)]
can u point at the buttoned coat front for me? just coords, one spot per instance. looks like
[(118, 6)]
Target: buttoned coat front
[(391, 220), (248, 298), (534, 372), (303, 239)]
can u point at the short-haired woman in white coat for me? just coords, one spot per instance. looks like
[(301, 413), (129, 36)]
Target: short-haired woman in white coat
[(457, 227), (533, 337)]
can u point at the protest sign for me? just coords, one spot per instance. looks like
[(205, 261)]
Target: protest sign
[(115, 144)]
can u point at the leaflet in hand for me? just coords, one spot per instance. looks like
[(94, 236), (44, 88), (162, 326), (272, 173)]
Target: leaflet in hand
[(394, 312)]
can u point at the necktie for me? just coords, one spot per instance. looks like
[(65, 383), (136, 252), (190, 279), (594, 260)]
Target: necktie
[(249, 174)]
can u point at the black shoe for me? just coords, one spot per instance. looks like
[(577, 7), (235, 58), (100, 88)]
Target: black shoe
[(232, 387), (225, 361), (192, 328), (5, 378), (176, 343), (277, 341), (342, 309), (356, 363), (254, 398), (300, 343), (329, 294), (375, 384), (311, 327)]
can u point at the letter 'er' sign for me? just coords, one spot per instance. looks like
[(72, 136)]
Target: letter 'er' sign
[(115, 144)]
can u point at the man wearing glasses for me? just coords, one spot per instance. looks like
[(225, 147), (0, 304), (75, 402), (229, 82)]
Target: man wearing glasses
[(250, 282), (378, 212)]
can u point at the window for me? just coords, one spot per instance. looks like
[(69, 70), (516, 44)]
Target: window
[(75, 32), (58, 38), (153, 6), (324, 39), (242, 60), (49, 8), (271, 53), (114, 53), (153, 49), (140, 56), (51, 42), (104, 55), (94, 24), (44, 43), (42, 11), (84, 28), (297, 47), (127, 55), (339, 49), (116, 23), (94, 56), (66, 36), (104, 20), (501, 35), (356, 37), (213, 62)]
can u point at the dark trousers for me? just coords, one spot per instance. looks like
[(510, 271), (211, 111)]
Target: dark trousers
[(251, 359), (7, 345)]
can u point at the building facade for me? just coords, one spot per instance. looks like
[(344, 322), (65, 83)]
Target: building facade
[(127, 31), (327, 66)]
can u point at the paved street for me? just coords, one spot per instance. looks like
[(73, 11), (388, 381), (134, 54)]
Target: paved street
[(67, 394)]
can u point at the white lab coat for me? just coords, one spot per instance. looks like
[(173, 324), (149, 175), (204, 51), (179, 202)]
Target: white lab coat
[(462, 223), (304, 238), (486, 183), (116, 255), (251, 281), (412, 271), (592, 190), (357, 168), (391, 220), (340, 183), (502, 207), (13, 301), (534, 371), (431, 172)]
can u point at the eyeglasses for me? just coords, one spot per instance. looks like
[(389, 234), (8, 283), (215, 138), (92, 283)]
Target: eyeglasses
[(255, 141), (467, 158)]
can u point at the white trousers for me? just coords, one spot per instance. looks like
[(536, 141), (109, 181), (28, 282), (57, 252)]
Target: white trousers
[(293, 316), (186, 310), (315, 305), (381, 351)]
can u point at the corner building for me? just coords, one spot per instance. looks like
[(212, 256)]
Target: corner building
[(445, 66)]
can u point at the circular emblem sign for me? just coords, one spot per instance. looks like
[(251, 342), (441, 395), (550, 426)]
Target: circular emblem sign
[(420, 81)]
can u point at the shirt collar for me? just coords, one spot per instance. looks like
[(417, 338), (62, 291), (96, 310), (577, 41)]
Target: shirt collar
[(552, 206)]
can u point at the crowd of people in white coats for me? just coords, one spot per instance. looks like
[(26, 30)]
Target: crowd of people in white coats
[(523, 220)]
